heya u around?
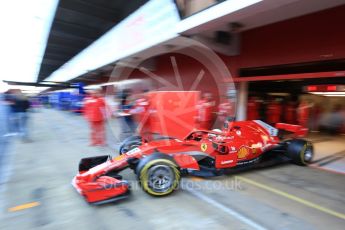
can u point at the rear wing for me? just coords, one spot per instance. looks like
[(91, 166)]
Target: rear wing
[(297, 130)]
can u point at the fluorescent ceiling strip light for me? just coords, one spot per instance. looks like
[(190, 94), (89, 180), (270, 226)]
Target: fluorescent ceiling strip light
[(128, 81), (160, 22), (25, 27), (329, 93), (151, 24), (27, 88)]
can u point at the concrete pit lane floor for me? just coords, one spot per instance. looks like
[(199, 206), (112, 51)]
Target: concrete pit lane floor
[(36, 191)]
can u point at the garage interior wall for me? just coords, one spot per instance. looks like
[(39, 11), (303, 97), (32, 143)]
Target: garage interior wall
[(314, 37)]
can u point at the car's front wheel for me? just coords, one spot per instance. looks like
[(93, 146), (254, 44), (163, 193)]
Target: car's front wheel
[(158, 176)]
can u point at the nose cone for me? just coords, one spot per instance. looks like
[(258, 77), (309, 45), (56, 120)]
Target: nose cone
[(105, 189)]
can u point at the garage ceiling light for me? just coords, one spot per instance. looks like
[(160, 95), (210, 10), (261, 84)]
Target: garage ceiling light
[(155, 22), (29, 89), (151, 24), (25, 27), (329, 94), (326, 90)]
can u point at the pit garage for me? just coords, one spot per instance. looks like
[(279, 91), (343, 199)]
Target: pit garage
[(277, 67)]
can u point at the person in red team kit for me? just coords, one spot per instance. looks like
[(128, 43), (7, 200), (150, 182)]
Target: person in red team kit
[(274, 111), (303, 113), (225, 110), (252, 109), (94, 111), (140, 113), (206, 109), (290, 113)]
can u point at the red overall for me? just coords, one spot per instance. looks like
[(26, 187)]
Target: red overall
[(205, 114), (274, 111), (94, 110), (141, 114), (225, 110), (252, 109), (290, 113), (303, 114)]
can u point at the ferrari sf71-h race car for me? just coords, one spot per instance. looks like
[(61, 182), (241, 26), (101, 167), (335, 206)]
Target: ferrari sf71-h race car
[(159, 163)]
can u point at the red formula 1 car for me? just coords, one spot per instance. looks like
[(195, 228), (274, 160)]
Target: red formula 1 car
[(160, 163)]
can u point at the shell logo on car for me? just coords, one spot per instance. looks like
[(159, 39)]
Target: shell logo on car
[(243, 152)]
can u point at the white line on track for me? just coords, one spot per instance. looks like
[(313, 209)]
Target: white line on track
[(227, 210)]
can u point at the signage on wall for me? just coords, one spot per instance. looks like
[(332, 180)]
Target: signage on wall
[(326, 90)]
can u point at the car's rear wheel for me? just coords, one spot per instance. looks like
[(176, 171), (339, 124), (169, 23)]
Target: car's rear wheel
[(300, 151), (158, 176)]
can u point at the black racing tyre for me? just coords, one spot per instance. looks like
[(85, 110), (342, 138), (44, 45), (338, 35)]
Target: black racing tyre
[(130, 143), (300, 151), (158, 174)]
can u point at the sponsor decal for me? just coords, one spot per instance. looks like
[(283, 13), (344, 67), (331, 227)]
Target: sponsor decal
[(255, 147), (226, 162), (118, 158), (203, 147), (248, 162), (133, 151), (242, 152)]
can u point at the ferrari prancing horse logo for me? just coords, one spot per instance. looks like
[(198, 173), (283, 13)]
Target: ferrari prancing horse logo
[(203, 147)]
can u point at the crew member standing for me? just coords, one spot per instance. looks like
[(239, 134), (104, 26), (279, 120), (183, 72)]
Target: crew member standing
[(252, 109), (20, 111), (274, 111), (225, 110), (4, 129), (94, 111), (206, 109), (290, 113), (303, 113), (139, 111)]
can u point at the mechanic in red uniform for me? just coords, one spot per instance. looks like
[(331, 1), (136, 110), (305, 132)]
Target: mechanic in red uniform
[(140, 112), (252, 109), (94, 111), (316, 115), (224, 110), (303, 113), (290, 113), (206, 109), (274, 111)]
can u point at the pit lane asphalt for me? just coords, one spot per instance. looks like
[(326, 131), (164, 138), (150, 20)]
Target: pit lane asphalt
[(41, 172)]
